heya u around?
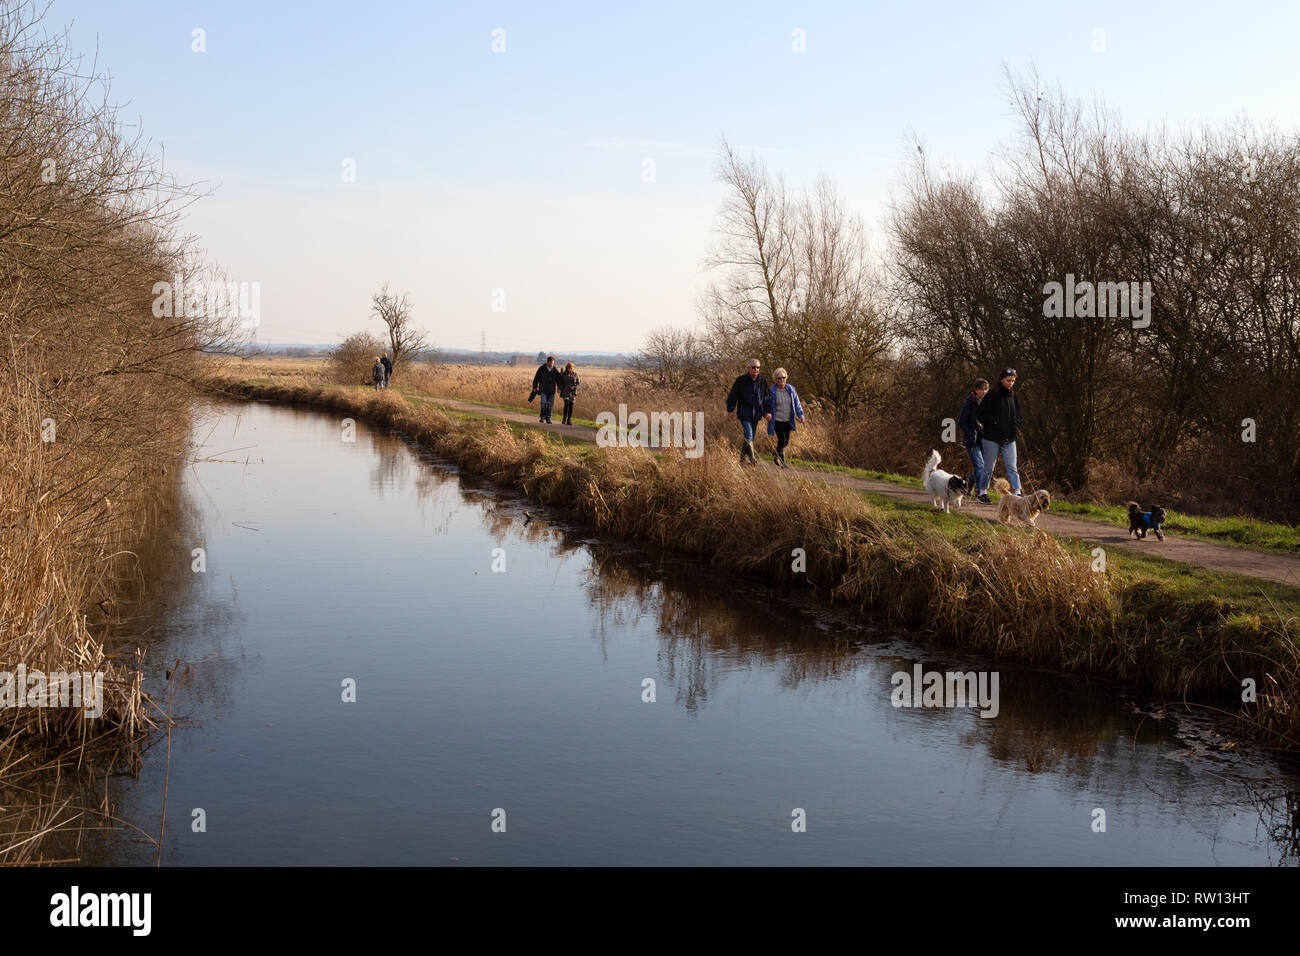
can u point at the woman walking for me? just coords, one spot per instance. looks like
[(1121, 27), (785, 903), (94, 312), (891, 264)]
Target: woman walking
[(568, 392), (968, 422), (786, 409), (999, 413)]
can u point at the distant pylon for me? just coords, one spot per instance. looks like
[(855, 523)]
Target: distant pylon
[(483, 344)]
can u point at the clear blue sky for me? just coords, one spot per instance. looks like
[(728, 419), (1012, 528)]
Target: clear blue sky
[(523, 170)]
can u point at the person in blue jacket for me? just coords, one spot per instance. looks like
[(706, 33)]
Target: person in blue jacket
[(969, 423), (785, 408), (748, 402)]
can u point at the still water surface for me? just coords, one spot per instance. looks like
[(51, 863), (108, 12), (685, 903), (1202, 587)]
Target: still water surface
[(522, 690)]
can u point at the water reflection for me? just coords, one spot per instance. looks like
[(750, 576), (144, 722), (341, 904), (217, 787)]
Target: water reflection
[(759, 696), (710, 626)]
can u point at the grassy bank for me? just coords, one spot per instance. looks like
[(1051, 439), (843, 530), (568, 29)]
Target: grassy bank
[(1031, 597)]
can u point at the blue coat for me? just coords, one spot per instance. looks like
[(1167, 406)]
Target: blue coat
[(796, 406)]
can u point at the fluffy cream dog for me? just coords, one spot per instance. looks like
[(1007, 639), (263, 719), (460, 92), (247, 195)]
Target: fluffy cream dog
[(1026, 508), (945, 490)]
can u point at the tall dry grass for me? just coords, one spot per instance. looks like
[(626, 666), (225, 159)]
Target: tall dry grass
[(94, 388), (995, 590)]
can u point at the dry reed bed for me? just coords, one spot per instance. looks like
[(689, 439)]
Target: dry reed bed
[(1004, 592)]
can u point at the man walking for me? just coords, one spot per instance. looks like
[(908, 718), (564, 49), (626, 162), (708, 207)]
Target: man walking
[(545, 382), (969, 423), (999, 413), (749, 402), (388, 369)]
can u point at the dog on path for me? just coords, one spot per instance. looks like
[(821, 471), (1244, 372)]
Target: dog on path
[(1025, 507), (1140, 522), (946, 491)]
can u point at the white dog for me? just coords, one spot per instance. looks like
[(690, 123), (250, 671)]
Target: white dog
[(945, 490)]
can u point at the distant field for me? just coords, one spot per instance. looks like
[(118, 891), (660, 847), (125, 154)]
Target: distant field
[(486, 377), (264, 366)]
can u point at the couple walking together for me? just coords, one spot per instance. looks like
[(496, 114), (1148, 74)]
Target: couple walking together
[(751, 400), (989, 421), (547, 382)]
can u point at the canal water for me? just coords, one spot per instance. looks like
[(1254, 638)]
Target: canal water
[(501, 671)]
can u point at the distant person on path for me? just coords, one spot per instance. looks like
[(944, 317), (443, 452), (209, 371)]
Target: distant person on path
[(749, 401), (568, 392), (999, 413), (545, 382), (969, 423), (377, 373), (388, 368), (785, 408)]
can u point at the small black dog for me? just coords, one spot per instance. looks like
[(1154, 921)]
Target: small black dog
[(1140, 522)]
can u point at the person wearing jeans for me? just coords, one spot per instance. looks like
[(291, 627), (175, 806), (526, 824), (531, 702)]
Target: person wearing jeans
[(545, 382), (749, 401), (999, 413), (968, 422)]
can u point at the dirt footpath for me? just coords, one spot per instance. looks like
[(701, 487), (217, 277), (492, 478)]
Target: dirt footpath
[(1269, 566)]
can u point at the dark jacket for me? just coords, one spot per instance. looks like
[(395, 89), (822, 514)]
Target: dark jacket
[(568, 385), (749, 398), (547, 380), (387, 363), (999, 413), (968, 421)]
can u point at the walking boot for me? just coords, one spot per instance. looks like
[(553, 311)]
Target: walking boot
[(753, 455)]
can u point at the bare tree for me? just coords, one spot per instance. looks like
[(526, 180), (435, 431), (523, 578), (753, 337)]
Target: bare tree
[(405, 340), (676, 358), (755, 253), (797, 286)]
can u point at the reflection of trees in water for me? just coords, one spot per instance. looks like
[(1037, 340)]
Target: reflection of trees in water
[(389, 461), (698, 629), (1047, 722), (1280, 811), (709, 625)]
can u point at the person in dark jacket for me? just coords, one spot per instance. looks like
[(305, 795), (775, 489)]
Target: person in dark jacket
[(388, 368), (999, 413), (749, 402), (968, 422), (545, 382), (568, 392)]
